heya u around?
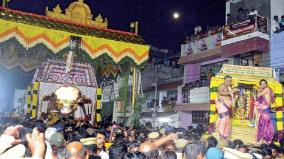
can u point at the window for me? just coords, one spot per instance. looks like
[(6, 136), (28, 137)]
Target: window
[(200, 117), (247, 61), (211, 68)]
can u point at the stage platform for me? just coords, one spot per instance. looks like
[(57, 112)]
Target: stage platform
[(240, 130)]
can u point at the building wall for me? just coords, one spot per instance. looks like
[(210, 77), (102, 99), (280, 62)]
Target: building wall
[(277, 8), (266, 60), (160, 71), (276, 52), (191, 72), (185, 118), (277, 41)]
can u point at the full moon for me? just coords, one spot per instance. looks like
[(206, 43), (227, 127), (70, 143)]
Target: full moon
[(176, 15)]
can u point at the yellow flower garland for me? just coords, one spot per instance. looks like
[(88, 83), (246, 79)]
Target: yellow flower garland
[(56, 40)]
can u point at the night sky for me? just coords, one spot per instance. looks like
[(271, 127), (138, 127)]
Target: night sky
[(156, 23)]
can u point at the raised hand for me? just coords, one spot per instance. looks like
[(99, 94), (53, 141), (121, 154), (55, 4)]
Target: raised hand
[(15, 132), (235, 90), (36, 143), (173, 136)]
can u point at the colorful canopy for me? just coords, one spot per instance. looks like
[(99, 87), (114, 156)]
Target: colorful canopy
[(31, 31)]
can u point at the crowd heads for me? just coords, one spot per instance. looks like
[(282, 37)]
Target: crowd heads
[(69, 139)]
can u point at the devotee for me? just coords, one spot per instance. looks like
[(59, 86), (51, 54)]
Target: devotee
[(197, 29), (212, 151), (274, 150), (118, 150), (230, 19), (10, 139), (75, 150), (170, 143), (223, 104), (168, 155), (243, 149), (131, 135), (281, 24), (195, 150), (280, 153), (237, 143), (54, 144), (267, 153), (169, 146), (210, 74), (241, 15), (150, 149), (253, 12), (134, 156), (265, 97), (275, 24), (101, 138), (133, 147)]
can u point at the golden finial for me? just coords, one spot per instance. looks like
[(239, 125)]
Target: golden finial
[(84, 10), (99, 18), (57, 9)]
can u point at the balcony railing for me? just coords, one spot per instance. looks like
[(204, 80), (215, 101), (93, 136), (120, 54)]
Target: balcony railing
[(252, 24), (213, 38), (201, 43)]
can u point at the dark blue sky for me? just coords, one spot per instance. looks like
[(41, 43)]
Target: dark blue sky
[(155, 16)]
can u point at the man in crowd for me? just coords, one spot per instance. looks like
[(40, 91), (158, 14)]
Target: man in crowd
[(75, 150), (195, 150), (101, 138), (275, 24)]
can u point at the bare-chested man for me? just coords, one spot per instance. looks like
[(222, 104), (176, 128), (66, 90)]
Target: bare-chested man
[(223, 104), (265, 98)]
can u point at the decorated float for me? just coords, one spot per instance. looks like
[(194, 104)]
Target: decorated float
[(243, 120), (69, 50), (51, 80)]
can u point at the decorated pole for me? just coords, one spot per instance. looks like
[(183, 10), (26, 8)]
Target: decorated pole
[(4, 2), (133, 87), (134, 27)]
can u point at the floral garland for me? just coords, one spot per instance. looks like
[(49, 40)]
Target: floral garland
[(30, 36)]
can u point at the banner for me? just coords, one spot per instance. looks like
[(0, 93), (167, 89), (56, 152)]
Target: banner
[(19, 100), (247, 70), (238, 29), (54, 71)]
